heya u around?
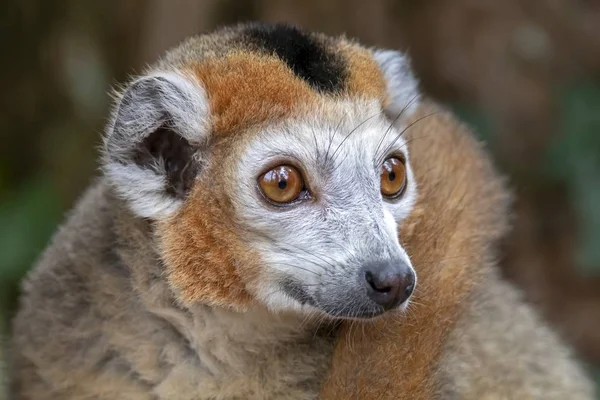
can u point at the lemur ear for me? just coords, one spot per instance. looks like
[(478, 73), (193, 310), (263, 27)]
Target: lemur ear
[(402, 86), (153, 147)]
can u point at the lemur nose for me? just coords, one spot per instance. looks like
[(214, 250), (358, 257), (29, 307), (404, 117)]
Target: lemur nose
[(389, 284)]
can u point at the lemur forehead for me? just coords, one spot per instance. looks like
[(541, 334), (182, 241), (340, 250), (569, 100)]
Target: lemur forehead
[(263, 73)]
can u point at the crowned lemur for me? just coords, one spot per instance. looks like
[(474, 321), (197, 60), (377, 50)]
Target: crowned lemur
[(258, 231)]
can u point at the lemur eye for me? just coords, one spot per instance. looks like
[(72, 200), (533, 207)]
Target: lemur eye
[(393, 177), (282, 184)]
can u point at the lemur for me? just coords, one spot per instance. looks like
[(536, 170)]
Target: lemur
[(257, 206)]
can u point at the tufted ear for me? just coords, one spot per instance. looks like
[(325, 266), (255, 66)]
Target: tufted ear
[(153, 147), (402, 86)]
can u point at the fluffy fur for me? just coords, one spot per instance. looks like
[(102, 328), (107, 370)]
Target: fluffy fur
[(173, 278), (172, 99), (468, 334), (98, 320)]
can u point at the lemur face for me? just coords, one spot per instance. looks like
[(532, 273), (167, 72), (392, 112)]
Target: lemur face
[(320, 199), (273, 165)]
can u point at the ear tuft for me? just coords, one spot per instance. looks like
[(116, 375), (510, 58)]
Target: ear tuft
[(402, 86), (153, 147)]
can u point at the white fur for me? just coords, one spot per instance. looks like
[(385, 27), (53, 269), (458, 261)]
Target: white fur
[(175, 98), (319, 244), (143, 189), (322, 243), (402, 86), (190, 111)]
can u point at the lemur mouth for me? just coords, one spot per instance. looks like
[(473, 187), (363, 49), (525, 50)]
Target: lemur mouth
[(379, 298), (295, 290), (360, 312), (357, 315)]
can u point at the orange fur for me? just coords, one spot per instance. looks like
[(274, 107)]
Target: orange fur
[(460, 210), (206, 258), (364, 76), (197, 253), (247, 89)]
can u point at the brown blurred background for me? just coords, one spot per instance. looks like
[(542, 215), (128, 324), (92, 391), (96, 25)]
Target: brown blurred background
[(524, 73)]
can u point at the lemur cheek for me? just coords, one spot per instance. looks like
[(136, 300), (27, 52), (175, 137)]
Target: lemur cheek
[(200, 254), (390, 222)]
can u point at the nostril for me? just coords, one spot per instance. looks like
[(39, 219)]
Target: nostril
[(369, 278), (388, 284), (376, 285)]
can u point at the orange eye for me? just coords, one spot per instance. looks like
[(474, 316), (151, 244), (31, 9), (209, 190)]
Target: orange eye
[(393, 177), (282, 184)]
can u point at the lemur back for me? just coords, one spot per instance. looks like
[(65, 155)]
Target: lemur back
[(259, 192)]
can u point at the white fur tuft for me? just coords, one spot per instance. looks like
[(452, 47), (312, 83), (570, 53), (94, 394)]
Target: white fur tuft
[(144, 190), (402, 86), (150, 102)]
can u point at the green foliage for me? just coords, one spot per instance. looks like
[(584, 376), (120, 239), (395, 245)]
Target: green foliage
[(29, 218), (476, 120), (574, 158)]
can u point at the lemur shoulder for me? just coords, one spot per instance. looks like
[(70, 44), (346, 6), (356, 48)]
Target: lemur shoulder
[(265, 190)]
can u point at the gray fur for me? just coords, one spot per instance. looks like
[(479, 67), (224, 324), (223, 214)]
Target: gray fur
[(160, 99), (403, 86), (350, 225), (97, 321)]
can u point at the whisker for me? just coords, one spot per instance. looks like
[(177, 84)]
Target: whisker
[(333, 156), (393, 123), (321, 320), (318, 153), (297, 266), (387, 149), (303, 258), (319, 257), (335, 131), (279, 244), (441, 260)]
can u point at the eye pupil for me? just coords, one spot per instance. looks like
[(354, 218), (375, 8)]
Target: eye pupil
[(393, 177), (282, 184)]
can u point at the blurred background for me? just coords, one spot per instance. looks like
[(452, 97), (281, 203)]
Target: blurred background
[(524, 73)]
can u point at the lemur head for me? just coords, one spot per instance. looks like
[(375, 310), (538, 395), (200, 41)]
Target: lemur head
[(272, 165)]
